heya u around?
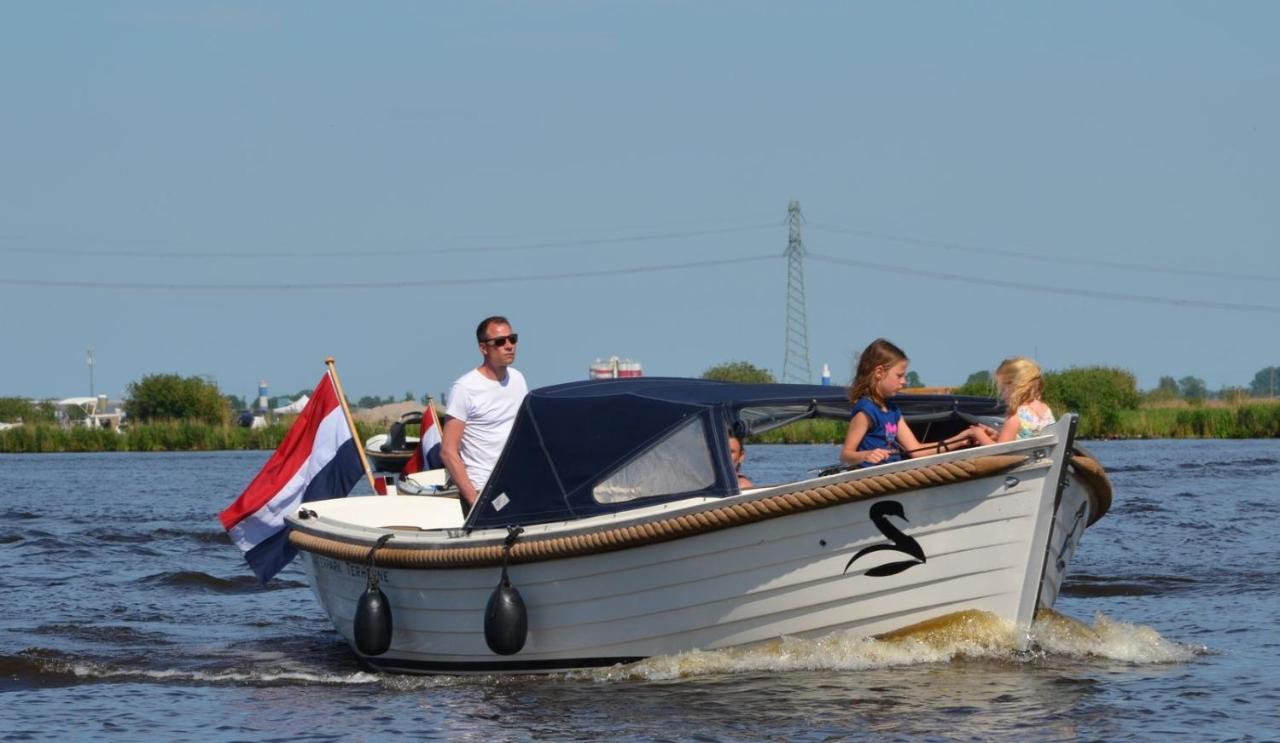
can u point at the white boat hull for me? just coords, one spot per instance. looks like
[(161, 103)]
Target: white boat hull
[(997, 544)]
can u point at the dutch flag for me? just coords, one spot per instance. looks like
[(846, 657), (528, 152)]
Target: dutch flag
[(317, 460), (426, 456)]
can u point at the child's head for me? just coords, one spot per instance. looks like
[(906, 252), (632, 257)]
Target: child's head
[(1019, 381), (882, 369), (736, 454)]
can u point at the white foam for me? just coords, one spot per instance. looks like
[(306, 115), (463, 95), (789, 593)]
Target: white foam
[(966, 635), (1056, 634), (89, 670), (963, 635)]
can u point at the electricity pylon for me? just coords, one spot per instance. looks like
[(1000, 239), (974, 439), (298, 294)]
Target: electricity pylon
[(795, 359)]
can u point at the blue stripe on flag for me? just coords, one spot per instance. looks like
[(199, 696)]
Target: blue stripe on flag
[(433, 458), (335, 480)]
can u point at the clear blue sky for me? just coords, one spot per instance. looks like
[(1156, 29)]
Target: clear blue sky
[(453, 156)]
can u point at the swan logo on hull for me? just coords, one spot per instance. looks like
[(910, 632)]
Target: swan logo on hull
[(880, 513)]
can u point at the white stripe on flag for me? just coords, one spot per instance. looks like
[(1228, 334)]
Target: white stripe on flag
[(430, 437), (269, 519)]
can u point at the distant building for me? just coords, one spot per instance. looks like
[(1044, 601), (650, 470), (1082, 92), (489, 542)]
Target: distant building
[(263, 403), (614, 368)]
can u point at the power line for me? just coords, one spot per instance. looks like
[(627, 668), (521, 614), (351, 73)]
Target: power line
[(387, 251), (1065, 260), (1003, 284), (361, 285)]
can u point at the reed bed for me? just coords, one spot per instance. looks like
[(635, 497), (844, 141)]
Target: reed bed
[(1249, 420), (156, 436), (813, 431)]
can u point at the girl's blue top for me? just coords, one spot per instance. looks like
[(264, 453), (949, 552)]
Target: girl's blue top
[(882, 432)]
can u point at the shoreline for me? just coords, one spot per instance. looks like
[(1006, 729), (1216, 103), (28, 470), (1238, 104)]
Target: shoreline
[(1256, 420), (167, 436)]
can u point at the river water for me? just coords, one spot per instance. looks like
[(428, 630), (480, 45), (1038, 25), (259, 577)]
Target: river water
[(128, 615)]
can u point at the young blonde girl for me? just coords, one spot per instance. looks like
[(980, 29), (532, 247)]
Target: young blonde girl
[(1021, 386), (876, 431)]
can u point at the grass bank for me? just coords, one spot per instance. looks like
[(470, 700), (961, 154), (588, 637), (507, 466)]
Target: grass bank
[(1254, 420), (160, 436), (1249, 420)]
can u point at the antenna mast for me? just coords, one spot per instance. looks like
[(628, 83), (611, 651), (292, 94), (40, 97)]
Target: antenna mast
[(795, 359)]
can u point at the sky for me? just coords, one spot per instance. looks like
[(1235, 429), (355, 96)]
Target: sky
[(240, 189)]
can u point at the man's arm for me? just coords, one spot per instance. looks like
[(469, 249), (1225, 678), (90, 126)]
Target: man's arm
[(450, 439)]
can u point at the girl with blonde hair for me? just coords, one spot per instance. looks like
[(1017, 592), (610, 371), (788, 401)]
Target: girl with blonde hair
[(1021, 386)]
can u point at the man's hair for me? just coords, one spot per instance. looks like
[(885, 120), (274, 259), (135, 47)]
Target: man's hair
[(485, 323)]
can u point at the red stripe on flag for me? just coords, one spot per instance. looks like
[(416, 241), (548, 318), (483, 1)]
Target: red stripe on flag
[(288, 458)]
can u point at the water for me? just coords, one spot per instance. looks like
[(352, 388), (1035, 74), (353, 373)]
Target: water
[(128, 614)]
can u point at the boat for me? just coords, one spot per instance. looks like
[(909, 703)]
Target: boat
[(612, 529), (388, 452), (88, 412)]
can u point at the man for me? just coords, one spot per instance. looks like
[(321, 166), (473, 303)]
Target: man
[(481, 410), (736, 455)]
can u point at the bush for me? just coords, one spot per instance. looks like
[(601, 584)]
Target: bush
[(1097, 393), (739, 371)]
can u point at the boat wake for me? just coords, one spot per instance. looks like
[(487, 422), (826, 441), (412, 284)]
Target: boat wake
[(39, 667), (1059, 635), (966, 635)]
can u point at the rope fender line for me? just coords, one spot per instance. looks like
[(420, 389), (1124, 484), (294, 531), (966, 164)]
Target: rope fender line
[(1095, 477), (674, 527)]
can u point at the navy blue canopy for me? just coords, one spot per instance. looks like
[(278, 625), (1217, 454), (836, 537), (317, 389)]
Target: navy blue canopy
[(586, 448)]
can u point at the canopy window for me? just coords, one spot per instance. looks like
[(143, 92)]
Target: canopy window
[(680, 463)]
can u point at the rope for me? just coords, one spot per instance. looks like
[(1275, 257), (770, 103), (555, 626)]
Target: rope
[(1090, 471), (369, 571), (662, 530)]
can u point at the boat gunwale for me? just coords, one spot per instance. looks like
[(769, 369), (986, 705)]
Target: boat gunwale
[(447, 537), (701, 517)]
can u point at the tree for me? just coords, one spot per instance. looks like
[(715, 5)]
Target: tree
[(913, 380), (979, 383), (739, 371), (14, 409), (408, 397), (171, 397), (1166, 390), (1193, 388), (1266, 383), (236, 402), (373, 401)]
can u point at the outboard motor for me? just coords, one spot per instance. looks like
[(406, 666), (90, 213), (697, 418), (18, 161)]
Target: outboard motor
[(395, 438)]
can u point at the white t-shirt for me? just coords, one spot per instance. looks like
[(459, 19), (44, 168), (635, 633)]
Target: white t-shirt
[(488, 408)]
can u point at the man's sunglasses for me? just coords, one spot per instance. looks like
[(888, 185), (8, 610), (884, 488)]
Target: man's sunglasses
[(502, 340)]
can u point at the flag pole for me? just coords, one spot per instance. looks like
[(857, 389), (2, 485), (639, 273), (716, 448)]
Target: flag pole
[(435, 420), (355, 435)]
